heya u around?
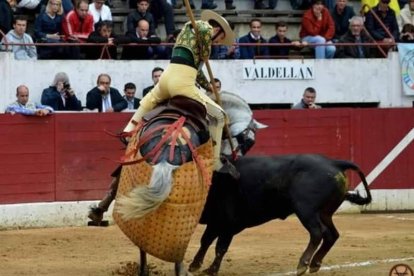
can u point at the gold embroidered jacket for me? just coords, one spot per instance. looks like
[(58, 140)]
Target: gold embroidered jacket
[(201, 51)]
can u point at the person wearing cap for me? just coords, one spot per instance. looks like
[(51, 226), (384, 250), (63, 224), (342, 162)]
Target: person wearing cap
[(179, 79), (185, 69), (388, 19)]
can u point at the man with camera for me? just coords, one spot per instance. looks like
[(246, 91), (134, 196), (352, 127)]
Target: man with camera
[(60, 95)]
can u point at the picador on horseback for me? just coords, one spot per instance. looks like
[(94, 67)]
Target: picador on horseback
[(177, 86)]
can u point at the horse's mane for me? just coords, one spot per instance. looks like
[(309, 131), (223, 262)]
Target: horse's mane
[(238, 110)]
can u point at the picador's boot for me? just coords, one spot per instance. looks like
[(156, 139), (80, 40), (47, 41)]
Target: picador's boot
[(228, 168), (96, 212)]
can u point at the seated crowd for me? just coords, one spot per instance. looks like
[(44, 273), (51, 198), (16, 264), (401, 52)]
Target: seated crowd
[(83, 30), (60, 96)]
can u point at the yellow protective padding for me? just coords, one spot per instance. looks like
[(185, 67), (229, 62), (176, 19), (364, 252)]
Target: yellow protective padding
[(166, 232)]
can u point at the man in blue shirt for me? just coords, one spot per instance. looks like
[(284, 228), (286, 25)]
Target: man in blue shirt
[(25, 107)]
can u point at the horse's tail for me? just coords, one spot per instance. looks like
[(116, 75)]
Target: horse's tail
[(145, 199), (355, 198)]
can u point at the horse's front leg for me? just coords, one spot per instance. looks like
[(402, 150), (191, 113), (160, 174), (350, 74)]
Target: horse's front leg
[(143, 267), (180, 270)]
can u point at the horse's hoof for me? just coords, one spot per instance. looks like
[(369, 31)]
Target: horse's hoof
[(194, 266)]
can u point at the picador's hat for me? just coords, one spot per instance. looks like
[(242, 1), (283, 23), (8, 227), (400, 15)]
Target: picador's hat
[(207, 15)]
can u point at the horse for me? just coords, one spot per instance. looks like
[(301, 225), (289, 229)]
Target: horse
[(308, 185), (167, 142)]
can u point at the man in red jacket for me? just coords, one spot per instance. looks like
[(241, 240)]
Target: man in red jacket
[(78, 23), (318, 27)]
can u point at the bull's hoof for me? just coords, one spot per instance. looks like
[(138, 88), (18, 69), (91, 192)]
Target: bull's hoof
[(210, 271), (194, 266), (301, 269)]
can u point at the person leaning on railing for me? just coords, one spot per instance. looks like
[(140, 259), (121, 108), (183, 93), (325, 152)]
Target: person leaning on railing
[(22, 105), (19, 35), (318, 28), (355, 34), (387, 19), (104, 34)]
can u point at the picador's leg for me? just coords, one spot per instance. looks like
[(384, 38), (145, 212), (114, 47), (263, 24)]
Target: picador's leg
[(96, 213)]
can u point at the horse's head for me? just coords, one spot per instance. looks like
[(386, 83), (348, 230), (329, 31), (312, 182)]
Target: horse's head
[(241, 123)]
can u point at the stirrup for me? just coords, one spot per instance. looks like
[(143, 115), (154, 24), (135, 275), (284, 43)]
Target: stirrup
[(228, 168)]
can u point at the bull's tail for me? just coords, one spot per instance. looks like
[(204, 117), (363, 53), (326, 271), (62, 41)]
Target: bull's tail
[(355, 198), (147, 198)]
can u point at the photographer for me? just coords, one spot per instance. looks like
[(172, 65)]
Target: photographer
[(60, 95)]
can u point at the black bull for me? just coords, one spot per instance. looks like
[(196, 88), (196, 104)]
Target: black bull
[(310, 186)]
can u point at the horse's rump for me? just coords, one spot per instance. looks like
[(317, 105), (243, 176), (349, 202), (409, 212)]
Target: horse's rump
[(166, 232)]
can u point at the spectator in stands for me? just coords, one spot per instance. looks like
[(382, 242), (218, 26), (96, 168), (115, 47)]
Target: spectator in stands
[(341, 14), (208, 5), (78, 25), (19, 35), (280, 37), (406, 15), (158, 9), (23, 106), (28, 6), (259, 5), (67, 6), (60, 95), (308, 100), (163, 9), (104, 34), (301, 4), (105, 98), (226, 52), (141, 36), (318, 27), (48, 29), (100, 12), (229, 5), (155, 75), (176, 5), (129, 91), (6, 17), (355, 34), (254, 36), (407, 33), (141, 12), (388, 18)]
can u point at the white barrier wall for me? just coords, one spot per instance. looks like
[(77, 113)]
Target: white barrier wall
[(336, 80)]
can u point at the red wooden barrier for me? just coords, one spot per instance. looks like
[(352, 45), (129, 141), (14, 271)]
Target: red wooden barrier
[(67, 157)]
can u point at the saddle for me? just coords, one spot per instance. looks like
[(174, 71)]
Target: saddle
[(195, 112)]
